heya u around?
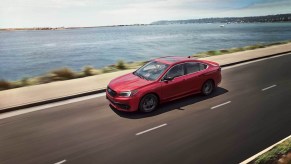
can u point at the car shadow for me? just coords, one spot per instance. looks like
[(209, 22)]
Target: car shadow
[(169, 106)]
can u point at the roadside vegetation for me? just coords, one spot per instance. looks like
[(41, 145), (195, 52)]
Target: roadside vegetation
[(233, 50), (67, 74), (280, 154)]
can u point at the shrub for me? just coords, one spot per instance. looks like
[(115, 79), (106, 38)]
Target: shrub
[(88, 71), (224, 51), (24, 81), (120, 65), (5, 85), (108, 69), (212, 53), (63, 74), (237, 49), (251, 47), (45, 79)]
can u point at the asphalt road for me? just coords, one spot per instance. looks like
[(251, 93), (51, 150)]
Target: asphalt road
[(193, 129)]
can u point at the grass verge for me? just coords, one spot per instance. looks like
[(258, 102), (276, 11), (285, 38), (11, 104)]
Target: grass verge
[(67, 74), (239, 49), (278, 155)]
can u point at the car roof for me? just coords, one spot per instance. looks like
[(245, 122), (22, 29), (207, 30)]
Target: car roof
[(174, 59)]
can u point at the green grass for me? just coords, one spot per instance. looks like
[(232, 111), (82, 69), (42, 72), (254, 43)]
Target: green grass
[(233, 50), (275, 153), (67, 74)]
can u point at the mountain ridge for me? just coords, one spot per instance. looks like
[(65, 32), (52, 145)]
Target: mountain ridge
[(249, 19)]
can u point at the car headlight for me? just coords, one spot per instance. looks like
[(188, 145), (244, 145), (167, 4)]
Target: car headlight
[(128, 93)]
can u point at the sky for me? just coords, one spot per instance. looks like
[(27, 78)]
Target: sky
[(77, 13)]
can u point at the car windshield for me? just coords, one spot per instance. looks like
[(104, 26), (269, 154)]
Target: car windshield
[(151, 71)]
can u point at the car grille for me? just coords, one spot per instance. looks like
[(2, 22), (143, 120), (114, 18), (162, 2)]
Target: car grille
[(111, 92), (120, 105)]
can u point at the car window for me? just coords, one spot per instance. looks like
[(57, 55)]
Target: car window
[(152, 70), (202, 66), (176, 71), (192, 67)]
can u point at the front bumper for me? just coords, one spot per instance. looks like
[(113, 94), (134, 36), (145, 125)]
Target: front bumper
[(128, 104)]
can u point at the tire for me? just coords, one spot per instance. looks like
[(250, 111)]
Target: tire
[(207, 88), (148, 103)]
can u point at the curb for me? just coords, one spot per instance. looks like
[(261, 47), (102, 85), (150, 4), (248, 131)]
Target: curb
[(253, 59), (263, 151), (87, 93), (53, 100)]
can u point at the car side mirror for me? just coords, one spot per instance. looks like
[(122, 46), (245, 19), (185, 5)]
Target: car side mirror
[(168, 78)]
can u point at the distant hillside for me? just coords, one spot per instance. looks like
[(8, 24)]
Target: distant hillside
[(255, 19)]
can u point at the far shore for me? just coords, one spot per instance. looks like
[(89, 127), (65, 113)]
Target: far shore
[(60, 74), (111, 26), (63, 28)]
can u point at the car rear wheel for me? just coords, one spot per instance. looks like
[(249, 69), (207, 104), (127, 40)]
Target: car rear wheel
[(148, 103), (207, 88)]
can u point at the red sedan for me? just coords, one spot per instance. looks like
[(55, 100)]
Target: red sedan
[(162, 80)]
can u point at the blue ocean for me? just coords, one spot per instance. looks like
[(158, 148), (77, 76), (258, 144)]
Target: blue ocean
[(32, 53)]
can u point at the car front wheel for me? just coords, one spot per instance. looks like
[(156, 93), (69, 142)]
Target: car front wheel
[(207, 88), (148, 103)]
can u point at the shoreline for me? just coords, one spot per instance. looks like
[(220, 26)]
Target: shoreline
[(64, 28), (112, 26), (63, 74)]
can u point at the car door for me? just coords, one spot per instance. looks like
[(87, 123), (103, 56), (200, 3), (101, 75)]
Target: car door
[(175, 87), (194, 77)]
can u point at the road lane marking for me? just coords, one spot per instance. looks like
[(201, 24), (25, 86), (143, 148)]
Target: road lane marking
[(269, 87), (150, 129), (220, 105), (63, 161), (263, 151), (51, 105)]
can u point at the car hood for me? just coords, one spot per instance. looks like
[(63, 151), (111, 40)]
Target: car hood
[(128, 82)]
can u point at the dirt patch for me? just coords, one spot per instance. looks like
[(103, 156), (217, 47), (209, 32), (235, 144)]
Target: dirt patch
[(285, 159)]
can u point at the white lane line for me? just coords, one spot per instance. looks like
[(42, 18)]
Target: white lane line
[(263, 151), (269, 87), (151, 129), (63, 161), (42, 107), (220, 105)]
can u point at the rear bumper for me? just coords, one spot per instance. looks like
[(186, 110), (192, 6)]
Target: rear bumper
[(218, 78)]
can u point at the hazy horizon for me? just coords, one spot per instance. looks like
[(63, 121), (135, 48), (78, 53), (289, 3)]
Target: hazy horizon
[(88, 13), (132, 24)]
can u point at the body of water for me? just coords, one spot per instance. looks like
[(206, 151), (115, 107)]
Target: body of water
[(32, 53)]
